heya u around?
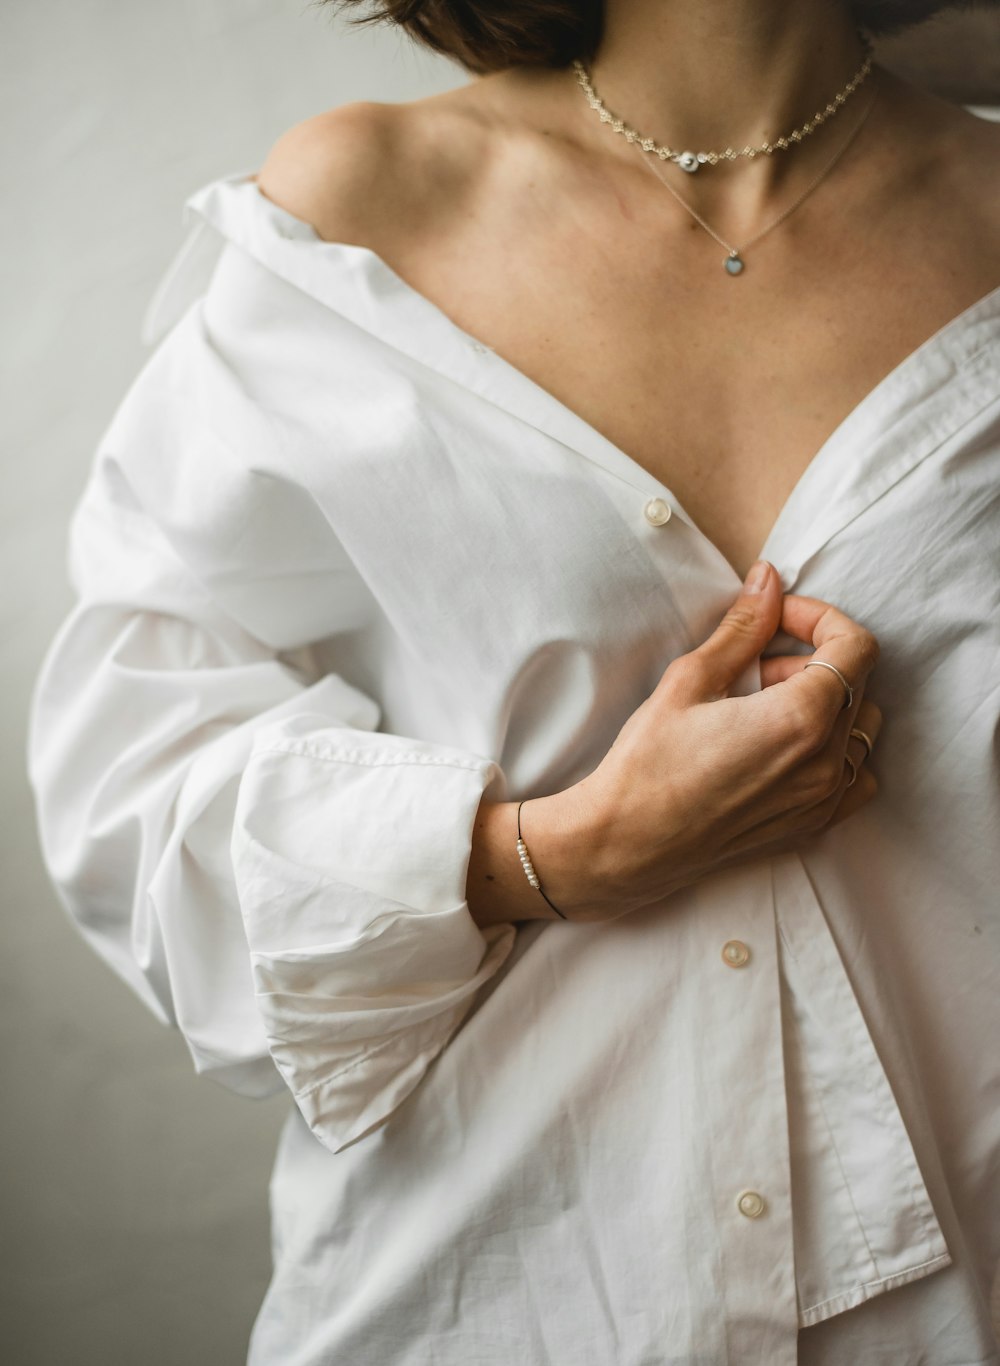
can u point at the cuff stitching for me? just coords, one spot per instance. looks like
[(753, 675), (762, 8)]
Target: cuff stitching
[(372, 760)]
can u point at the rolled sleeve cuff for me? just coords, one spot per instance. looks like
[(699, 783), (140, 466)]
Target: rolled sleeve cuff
[(350, 852)]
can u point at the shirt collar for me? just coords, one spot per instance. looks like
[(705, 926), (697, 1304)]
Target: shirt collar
[(931, 394)]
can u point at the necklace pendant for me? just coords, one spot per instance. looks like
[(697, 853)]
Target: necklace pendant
[(688, 161), (734, 263)]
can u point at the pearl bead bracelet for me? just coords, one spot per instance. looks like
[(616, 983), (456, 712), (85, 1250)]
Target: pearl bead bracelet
[(529, 867)]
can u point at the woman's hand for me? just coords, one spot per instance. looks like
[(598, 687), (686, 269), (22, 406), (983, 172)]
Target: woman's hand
[(697, 780)]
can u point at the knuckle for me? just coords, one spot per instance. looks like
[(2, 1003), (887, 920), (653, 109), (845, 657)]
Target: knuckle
[(868, 649), (805, 731), (823, 779), (686, 671), (832, 772), (742, 619)]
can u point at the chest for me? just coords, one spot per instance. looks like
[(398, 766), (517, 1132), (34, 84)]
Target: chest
[(723, 389)]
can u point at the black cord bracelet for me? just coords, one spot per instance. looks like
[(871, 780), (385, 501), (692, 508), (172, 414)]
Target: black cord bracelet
[(529, 867)]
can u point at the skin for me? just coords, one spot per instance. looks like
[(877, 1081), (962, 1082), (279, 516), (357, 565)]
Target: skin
[(510, 189)]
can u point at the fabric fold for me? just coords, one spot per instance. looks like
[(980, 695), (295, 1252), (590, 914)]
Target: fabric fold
[(175, 693), (350, 853)]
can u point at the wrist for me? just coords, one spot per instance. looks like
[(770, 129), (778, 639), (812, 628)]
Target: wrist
[(567, 837)]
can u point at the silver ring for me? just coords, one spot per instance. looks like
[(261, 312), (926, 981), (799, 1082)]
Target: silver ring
[(860, 735), (854, 770), (847, 687)]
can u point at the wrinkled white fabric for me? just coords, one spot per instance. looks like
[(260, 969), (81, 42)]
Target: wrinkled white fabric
[(341, 570)]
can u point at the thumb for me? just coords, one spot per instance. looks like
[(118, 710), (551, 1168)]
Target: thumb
[(742, 633)]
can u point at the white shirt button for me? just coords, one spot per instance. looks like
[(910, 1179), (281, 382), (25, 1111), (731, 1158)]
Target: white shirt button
[(735, 953), (657, 512), (751, 1204)]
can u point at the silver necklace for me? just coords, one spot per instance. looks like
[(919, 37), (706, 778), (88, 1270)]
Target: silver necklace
[(693, 161), (734, 263)]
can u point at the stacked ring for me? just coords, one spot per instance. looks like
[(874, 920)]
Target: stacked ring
[(824, 664), (866, 741)]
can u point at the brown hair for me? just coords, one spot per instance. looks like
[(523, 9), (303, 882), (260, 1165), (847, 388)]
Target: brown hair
[(489, 35)]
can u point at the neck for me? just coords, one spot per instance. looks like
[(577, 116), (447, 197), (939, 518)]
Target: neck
[(724, 72)]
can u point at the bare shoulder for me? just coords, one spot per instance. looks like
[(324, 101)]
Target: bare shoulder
[(359, 172), (331, 170)]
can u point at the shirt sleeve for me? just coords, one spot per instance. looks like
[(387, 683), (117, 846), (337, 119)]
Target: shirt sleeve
[(217, 807)]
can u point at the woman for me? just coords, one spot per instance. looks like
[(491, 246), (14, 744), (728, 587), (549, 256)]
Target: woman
[(425, 528)]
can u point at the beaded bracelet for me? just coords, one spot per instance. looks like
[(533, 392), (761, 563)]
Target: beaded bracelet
[(528, 866)]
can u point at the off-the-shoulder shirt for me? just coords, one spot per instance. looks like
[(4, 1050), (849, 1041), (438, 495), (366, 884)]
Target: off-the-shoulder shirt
[(342, 571)]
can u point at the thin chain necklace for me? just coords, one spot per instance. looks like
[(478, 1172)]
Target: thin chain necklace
[(693, 161), (734, 263)]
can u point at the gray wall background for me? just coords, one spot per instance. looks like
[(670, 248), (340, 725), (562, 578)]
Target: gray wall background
[(133, 1222), (133, 1195)]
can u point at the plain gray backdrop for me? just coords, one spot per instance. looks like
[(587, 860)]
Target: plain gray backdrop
[(134, 1195)]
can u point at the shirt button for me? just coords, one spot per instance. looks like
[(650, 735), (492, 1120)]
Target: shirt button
[(735, 953), (751, 1204), (657, 512)]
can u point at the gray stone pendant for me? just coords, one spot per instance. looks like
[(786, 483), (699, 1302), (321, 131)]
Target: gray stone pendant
[(687, 161), (734, 263)]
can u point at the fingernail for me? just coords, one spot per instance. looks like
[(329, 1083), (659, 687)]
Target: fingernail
[(756, 580)]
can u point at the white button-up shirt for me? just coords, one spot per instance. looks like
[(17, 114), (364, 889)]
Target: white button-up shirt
[(342, 571)]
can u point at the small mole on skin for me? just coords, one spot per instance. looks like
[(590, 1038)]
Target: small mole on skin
[(490, 877)]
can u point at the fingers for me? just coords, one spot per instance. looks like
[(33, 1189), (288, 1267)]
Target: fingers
[(868, 720), (707, 672), (855, 797), (817, 692), (836, 637), (864, 717), (776, 668), (815, 621), (824, 791), (779, 668)]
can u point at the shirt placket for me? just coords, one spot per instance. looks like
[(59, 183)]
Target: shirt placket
[(742, 1111), (863, 1217)]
